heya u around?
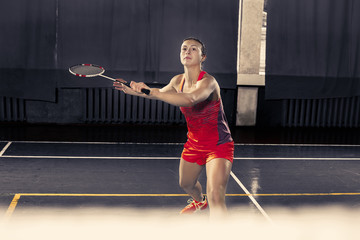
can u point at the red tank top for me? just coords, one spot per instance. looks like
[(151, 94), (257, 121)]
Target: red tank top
[(206, 122)]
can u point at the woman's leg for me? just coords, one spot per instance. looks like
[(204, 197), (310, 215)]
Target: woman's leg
[(188, 179), (218, 172)]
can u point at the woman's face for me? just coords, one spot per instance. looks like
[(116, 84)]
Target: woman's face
[(191, 53)]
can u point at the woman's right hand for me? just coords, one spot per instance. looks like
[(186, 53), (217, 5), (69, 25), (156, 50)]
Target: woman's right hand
[(118, 84), (138, 86)]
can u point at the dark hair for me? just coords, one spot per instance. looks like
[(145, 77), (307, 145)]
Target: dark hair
[(203, 49)]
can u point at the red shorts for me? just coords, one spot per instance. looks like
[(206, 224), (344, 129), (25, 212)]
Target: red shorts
[(202, 156)]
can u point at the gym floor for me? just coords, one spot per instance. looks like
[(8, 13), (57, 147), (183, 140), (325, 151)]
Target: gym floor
[(278, 175)]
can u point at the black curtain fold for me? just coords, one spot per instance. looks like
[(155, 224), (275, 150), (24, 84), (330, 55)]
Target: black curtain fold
[(27, 48), (137, 39), (312, 49), (142, 38)]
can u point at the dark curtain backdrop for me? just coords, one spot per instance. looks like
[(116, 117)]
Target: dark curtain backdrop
[(313, 49), (27, 49), (133, 39)]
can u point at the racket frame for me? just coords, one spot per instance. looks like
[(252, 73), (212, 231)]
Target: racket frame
[(146, 91), (87, 65)]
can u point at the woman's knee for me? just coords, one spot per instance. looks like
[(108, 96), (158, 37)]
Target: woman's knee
[(186, 184), (188, 174), (216, 196)]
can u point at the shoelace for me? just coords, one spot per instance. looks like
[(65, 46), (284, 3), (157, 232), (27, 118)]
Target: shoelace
[(191, 203), (191, 200)]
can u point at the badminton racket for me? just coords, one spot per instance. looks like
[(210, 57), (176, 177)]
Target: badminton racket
[(92, 70)]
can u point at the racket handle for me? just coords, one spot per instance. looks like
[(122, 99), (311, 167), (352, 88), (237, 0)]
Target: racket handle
[(143, 90), (146, 91)]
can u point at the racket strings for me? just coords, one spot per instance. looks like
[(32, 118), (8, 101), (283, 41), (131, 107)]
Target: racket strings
[(87, 70)]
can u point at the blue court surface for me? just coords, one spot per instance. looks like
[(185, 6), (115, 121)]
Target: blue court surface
[(269, 182)]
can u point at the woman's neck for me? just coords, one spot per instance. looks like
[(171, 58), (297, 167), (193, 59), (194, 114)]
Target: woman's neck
[(191, 75)]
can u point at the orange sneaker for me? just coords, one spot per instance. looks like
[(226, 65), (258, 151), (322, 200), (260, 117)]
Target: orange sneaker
[(194, 206)]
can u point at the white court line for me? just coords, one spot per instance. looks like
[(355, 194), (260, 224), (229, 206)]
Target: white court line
[(298, 158), (172, 158), (252, 198), (90, 157), (236, 144), (297, 144), (97, 143), (5, 148)]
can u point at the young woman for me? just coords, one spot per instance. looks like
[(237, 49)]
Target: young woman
[(209, 143)]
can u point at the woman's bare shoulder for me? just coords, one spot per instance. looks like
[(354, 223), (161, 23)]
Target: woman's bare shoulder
[(209, 77), (176, 80)]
